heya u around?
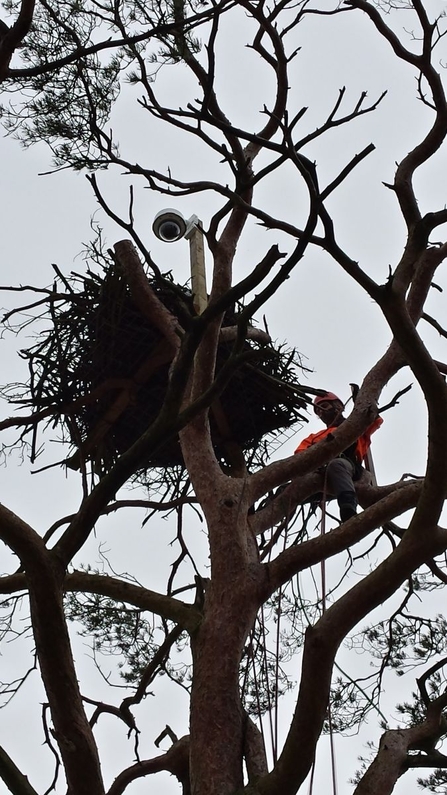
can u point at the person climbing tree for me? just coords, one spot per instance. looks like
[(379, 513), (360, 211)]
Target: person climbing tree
[(340, 474)]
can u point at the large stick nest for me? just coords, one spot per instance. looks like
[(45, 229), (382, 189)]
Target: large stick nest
[(101, 370)]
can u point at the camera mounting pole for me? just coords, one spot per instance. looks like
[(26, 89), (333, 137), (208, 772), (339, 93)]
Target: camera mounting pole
[(169, 226), (194, 235)]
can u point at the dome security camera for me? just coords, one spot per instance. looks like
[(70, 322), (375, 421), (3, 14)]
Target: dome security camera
[(169, 225)]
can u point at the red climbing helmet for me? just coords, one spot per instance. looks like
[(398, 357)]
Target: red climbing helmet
[(326, 396)]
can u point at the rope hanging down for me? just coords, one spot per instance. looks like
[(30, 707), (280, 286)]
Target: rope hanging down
[(323, 609)]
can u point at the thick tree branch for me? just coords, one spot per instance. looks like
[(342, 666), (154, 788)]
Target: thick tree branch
[(14, 779), (308, 553), (44, 579), (147, 302), (175, 761), (167, 607), (393, 759), (321, 645), (15, 35)]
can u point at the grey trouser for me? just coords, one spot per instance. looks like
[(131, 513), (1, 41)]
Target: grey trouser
[(338, 476)]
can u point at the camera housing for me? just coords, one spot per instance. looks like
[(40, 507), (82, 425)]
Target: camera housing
[(169, 225)]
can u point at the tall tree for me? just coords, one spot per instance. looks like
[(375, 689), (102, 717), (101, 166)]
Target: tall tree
[(149, 387)]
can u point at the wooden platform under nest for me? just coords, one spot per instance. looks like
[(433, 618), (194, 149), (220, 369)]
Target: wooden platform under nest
[(104, 367)]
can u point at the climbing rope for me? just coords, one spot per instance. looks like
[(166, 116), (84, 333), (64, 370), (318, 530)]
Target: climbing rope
[(323, 610), (258, 645)]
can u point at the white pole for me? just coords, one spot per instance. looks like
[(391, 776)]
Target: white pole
[(194, 234)]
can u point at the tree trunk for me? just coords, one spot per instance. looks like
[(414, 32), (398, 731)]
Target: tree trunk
[(71, 728), (217, 717), (388, 766)]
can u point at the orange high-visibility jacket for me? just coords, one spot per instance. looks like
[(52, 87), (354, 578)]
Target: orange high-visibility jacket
[(363, 442)]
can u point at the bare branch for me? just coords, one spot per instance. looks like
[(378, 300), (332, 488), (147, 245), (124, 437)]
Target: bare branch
[(14, 780)]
